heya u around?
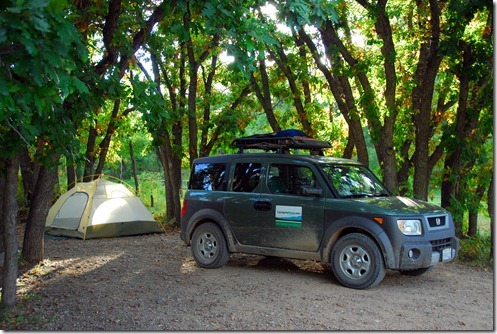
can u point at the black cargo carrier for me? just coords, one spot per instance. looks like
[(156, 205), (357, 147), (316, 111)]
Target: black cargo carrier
[(281, 142)]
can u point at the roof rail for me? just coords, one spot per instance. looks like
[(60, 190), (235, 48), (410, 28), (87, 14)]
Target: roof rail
[(281, 142)]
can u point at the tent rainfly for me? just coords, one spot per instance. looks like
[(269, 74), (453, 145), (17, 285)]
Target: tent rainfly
[(99, 209)]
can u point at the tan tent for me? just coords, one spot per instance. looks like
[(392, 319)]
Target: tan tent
[(99, 209)]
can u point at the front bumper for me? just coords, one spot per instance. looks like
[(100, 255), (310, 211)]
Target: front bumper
[(414, 255)]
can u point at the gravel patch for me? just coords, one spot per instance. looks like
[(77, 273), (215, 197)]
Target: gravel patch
[(151, 282)]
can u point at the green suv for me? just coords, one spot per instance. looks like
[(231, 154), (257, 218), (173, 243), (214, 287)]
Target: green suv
[(309, 207)]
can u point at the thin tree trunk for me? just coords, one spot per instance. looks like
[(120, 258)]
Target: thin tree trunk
[(2, 191), (264, 95), (29, 172), (474, 210), (133, 164), (491, 212), (10, 210), (90, 155), (71, 176)]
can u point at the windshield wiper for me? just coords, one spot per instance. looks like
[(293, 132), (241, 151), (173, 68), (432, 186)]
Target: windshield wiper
[(357, 195), (360, 195)]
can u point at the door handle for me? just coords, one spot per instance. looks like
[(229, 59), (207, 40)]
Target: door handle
[(262, 205)]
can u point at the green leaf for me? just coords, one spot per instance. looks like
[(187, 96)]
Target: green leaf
[(40, 23), (80, 85)]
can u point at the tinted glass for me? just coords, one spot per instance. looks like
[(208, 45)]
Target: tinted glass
[(354, 181), (208, 177), (247, 176), (289, 179)]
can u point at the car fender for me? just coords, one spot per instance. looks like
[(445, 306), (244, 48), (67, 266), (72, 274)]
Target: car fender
[(358, 224), (210, 215)]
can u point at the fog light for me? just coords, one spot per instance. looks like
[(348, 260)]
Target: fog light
[(414, 254)]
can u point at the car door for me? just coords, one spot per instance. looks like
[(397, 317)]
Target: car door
[(288, 218), (241, 199)]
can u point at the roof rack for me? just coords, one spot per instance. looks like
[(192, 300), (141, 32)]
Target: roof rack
[(281, 142)]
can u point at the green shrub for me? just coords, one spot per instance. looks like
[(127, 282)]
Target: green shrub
[(475, 251)]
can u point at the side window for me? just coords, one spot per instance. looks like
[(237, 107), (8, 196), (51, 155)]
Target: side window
[(247, 176), (208, 177), (289, 179)]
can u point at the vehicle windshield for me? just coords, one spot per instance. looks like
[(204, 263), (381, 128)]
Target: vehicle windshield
[(352, 181)]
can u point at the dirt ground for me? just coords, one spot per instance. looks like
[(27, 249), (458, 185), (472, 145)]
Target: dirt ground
[(151, 282)]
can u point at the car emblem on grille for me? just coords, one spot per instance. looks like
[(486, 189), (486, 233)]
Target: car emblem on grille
[(437, 221)]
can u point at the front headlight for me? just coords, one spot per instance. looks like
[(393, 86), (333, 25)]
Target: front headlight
[(409, 226)]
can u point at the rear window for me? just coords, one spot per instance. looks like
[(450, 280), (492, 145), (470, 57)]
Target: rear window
[(208, 177)]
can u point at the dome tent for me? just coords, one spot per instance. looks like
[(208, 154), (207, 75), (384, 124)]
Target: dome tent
[(99, 209)]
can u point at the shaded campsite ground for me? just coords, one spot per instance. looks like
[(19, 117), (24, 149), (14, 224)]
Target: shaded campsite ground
[(151, 282)]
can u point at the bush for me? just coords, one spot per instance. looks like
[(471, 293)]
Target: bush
[(475, 251)]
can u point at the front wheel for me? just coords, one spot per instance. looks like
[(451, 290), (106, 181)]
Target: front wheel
[(209, 247), (357, 261)]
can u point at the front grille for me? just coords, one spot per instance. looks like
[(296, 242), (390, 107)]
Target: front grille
[(437, 221), (438, 245)]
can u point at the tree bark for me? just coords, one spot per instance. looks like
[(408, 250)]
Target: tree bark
[(71, 175), (204, 132), (10, 210), (491, 212), (169, 152), (282, 62), (29, 172), (90, 155), (340, 88), (133, 165), (218, 130), (422, 99), (264, 95), (42, 199), (2, 192)]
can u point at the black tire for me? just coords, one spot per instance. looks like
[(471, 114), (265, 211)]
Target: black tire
[(414, 272), (209, 247), (357, 261)]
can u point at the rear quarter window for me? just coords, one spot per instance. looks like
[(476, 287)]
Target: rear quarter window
[(208, 176)]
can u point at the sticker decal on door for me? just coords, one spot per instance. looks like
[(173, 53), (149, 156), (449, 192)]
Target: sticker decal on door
[(288, 216)]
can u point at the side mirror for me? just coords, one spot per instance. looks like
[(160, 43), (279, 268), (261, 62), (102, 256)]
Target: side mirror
[(311, 191)]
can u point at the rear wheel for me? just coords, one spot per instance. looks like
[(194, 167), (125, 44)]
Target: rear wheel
[(209, 247), (357, 261)]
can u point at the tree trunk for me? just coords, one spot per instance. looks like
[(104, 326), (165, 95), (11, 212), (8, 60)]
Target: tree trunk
[(35, 226), (282, 62), (474, 210), (192, 93), (172, 175), (491, 212), (90, 155), (219, 129), (264, 95), (71, 176), (472, 223), (10, 210), (2, 191), (29, 172), (208, 81), (339, 86), (422, 101), (105, 143), (133, 164)]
